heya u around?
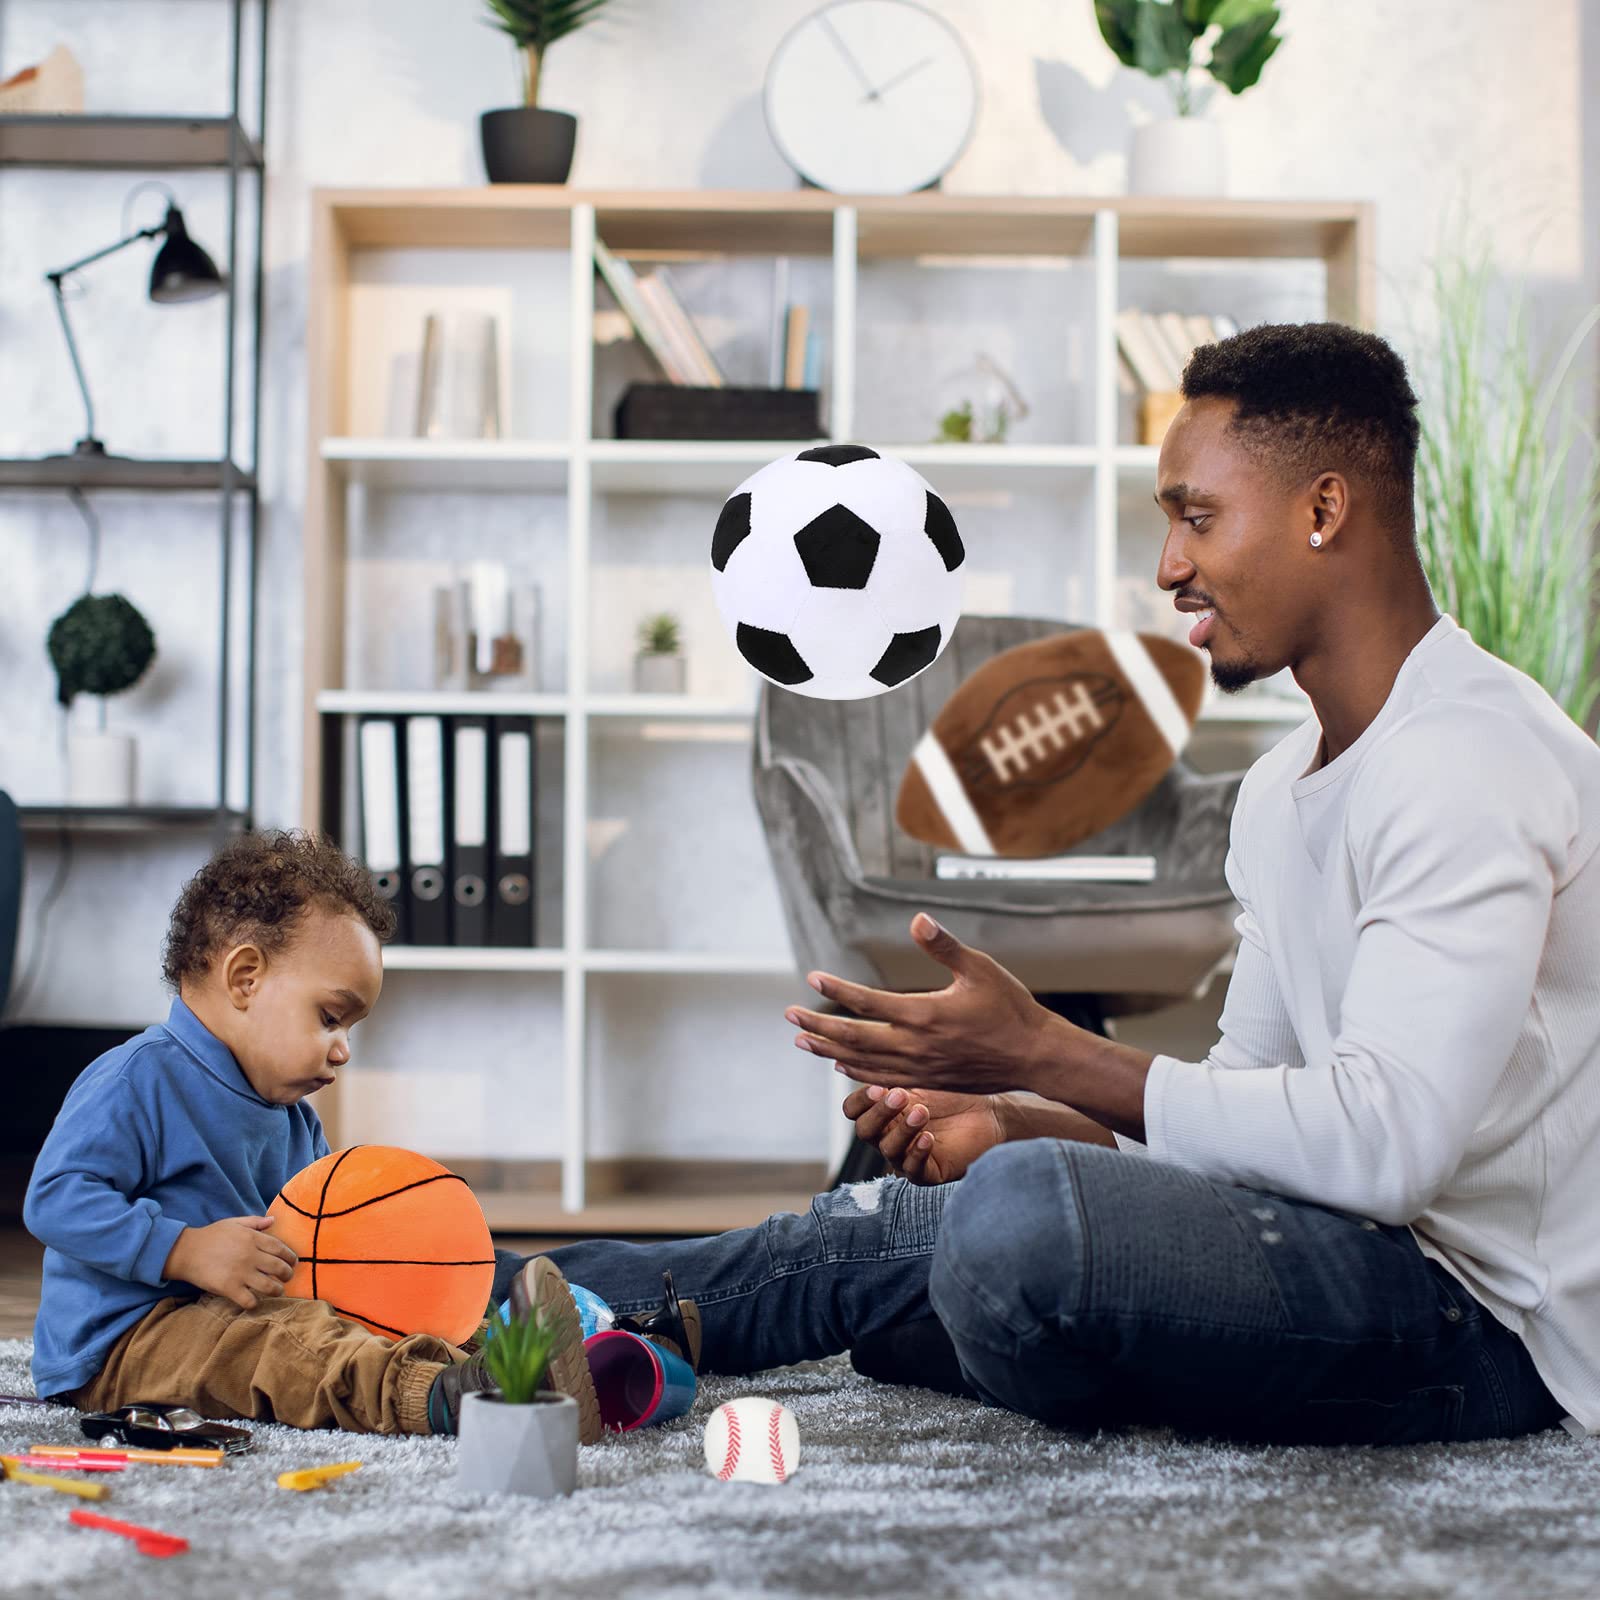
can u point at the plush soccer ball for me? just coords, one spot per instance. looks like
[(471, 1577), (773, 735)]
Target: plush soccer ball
[(838, 571)]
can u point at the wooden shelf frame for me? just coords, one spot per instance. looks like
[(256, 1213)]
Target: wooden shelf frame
[(1101, 232)]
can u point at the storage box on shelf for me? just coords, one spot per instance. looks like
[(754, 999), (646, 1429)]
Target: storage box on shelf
[(625, 962)]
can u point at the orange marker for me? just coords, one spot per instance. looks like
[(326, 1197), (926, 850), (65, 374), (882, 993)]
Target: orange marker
[(149, 1541)]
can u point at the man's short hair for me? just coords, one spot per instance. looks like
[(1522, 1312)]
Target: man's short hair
[(1316, 397)]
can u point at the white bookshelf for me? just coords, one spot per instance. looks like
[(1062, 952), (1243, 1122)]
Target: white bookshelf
[(1093, 475)]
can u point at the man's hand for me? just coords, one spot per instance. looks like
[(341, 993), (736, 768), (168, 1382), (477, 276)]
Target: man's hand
[(983, 1034), (927, 1136), (235, 1258)]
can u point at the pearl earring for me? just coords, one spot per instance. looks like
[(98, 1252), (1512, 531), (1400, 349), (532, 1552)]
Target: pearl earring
[(1316, 539)]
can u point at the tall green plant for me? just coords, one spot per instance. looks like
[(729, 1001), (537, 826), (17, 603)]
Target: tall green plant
[(1159, 36), (535, 25), (1506, 513)]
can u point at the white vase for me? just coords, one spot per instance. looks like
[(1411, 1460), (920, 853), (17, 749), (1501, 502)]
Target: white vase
[(101, 769), (506, 1449), (659, 674), (1177, 155)]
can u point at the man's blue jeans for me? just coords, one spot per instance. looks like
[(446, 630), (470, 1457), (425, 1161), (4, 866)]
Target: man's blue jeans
[(1090, 1288)]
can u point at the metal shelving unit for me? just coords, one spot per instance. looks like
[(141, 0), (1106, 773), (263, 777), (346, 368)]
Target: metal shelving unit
[(174, 144)]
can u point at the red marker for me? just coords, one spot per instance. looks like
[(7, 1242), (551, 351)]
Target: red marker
[(148, 1541)]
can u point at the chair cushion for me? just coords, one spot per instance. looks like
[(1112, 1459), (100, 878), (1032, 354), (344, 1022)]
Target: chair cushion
[(1049, 742)]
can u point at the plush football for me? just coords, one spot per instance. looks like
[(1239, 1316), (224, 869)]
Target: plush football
[(837, 571), (1049, 742)]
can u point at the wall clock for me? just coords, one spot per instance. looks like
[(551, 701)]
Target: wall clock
[(871, 97)]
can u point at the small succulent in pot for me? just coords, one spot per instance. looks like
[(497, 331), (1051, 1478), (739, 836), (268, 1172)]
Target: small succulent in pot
[(659, 635), (100, 644)]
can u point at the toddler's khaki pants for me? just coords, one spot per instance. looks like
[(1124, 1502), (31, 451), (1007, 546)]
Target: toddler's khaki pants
[(289, 1360)]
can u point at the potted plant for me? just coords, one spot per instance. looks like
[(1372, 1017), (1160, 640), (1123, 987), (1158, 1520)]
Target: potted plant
[(526, 143), (658, 668), (99, 645), (1182, 154), (519, 1438), (1505, 514)]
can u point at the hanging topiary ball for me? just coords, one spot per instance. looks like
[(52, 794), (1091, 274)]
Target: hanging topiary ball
[(99, 645)]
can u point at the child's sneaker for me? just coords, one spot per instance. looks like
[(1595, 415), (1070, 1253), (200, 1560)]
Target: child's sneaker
[(676, 1325), (539, 1285)]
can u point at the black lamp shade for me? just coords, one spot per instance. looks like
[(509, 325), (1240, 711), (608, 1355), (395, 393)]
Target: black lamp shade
[(181, 269)]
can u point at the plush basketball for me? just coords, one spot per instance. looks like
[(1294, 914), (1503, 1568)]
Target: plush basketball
[(1049, 742), (389, 1239)]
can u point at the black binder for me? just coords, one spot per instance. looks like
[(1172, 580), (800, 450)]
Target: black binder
[(379, 764), (427, 825), (511, 856), (472, 769)]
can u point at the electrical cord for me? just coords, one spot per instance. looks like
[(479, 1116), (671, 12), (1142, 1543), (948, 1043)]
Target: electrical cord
[(58, 880)]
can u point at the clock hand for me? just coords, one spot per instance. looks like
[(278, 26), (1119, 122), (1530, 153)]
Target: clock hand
[(855, 66), (899, 77)]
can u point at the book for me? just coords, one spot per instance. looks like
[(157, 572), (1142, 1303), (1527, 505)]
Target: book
[(704, 361), (622, 282), (794, 347), (681, 353), (813, 372), (1176, 332), (1148, 357), (780, 324), (1054, 869)]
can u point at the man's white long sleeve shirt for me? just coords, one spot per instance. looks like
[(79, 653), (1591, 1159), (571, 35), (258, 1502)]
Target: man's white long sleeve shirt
[(1412, 1028)]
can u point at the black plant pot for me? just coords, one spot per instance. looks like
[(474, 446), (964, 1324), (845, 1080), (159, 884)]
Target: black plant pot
[(527, 144)]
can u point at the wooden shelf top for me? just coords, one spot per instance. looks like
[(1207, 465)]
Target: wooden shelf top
[(668, 222), (129, 819)]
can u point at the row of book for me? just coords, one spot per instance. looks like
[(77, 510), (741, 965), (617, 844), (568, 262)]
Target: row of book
[(667, 331), (447, 825), (1154, 345)]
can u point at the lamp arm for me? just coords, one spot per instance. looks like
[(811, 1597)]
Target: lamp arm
[(54, 279), (110, 250)]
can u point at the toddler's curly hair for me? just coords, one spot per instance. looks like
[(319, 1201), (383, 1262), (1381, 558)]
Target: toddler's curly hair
[(255, 889)]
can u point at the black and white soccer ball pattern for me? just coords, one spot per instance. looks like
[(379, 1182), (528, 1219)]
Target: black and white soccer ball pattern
[(838, 572)]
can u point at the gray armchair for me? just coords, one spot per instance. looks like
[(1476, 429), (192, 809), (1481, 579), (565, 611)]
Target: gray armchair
[(825, 775)]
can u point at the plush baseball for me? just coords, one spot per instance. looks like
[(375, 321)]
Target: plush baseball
[(752, 1439)]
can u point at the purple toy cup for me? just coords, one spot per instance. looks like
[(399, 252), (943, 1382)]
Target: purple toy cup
[(636, 1381)]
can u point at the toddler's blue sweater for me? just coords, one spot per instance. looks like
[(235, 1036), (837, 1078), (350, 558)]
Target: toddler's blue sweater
[(162, 1133)]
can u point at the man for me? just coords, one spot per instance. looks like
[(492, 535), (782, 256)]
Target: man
[(1366, 1216)]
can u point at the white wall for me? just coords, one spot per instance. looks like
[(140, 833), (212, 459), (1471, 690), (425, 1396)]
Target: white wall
[(1399, 101)]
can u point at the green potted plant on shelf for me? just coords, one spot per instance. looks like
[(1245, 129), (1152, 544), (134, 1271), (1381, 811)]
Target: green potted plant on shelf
[(100, 645), (1506, 515), (1182, 154), (659, 667), (519, 1437), (527, 143)]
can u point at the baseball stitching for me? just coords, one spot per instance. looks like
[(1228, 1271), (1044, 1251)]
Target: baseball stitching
[(731, 1460), (775, 1443)]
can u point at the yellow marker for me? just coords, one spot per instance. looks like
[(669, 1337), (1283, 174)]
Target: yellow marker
[(85, 1491), (314, 1477)]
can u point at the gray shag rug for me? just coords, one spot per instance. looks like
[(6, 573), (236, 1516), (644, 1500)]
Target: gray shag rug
[(900, 1492)]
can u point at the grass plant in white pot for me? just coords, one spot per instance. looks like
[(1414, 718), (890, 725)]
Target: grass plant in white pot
[(659, 666), (1182, 154), (519, 1437)]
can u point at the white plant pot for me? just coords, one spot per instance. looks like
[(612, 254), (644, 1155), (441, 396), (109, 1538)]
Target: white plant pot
[(1177, 155), (506, 1449), (659, 674), (101, 769)]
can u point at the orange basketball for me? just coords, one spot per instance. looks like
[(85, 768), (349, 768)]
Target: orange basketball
[(389, 1239)]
